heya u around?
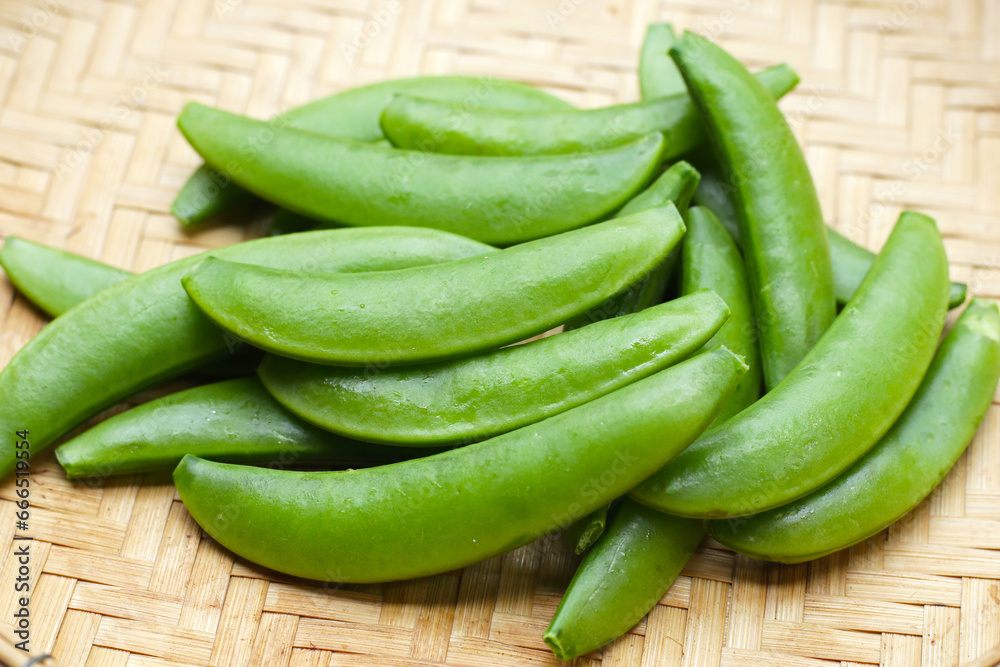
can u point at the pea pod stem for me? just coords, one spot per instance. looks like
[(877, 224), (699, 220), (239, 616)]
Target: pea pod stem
[(835, 405), (781, 224), (440, 127), (497, 201), (902, 469), (449, 510), (430, 314), (353, 114), (160, 334)]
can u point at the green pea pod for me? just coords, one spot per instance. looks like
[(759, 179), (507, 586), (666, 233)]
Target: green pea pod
[(850, 261), (710, 260), (499, 201), (781, 224), (621, 578), (353, 114), (431, 314), (442, 127), (642, 550), (80, 364), (658, 77), (902, 469), (52, 279), (477, 397), (837, 402), (582, 534), (446, 511), (676, 185), (235, 421)]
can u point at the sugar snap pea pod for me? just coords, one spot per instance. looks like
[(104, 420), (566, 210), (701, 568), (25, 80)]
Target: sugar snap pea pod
[(658, 77), (477, 397), (902, 469), (643, 550), (621, 578), (235, 421), (498, 201), (80, 364), (781, 224), (429, 314), (711, 260), (353, 114), (835, 405), (449, 510), (442, 127), (53, 279), (850, 261)]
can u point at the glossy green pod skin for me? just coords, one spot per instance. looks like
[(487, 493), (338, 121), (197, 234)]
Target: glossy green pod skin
[(850, 261), (836, 404), (53, 279), (621, 578), (446, 511), (432, 313), (643, 550), (902, 469), (710, 260), (676, 185), (658, 77), (79, 365), (235, 421), (781, 224), (478, 397), (441, 127), (286, 222), (353, 114), (494, 200)]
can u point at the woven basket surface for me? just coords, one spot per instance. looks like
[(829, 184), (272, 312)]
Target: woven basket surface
[(899, 108)]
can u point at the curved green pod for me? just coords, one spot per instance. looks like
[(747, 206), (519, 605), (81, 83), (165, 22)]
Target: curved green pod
[(432, 313), (902, 469), (675, 185), (236, 421), (781, 225), (446, 511), (441, 127), (835, 405), (79, 365), (477, 397), (621, 578), (658, 76), (850, 261), (353, 114), (710, 260), (494, 200), (53, 279)]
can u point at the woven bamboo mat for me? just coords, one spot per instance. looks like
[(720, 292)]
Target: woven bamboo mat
[(900, 107)]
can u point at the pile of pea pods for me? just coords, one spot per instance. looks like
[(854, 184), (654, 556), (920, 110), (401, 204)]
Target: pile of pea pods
[(726, 365)]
